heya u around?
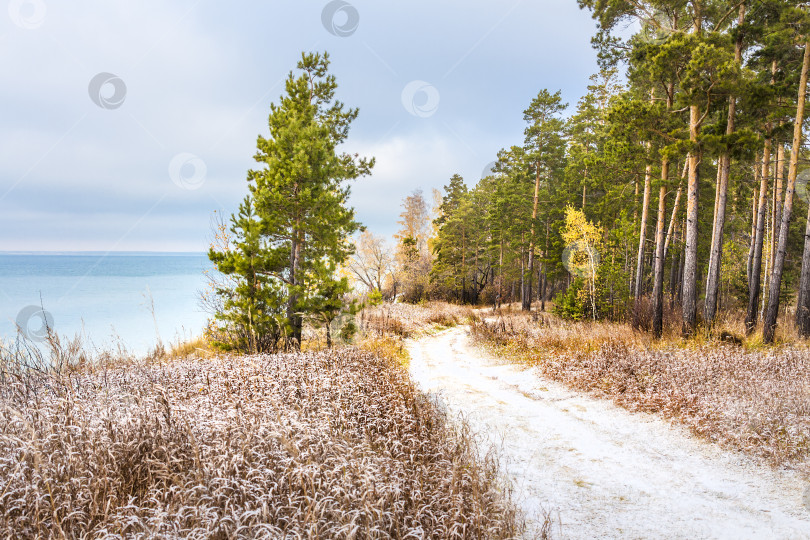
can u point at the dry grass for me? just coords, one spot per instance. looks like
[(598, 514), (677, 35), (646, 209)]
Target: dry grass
[(332, 444), (384, 328), (391, 348), (745, 397), (409, 320)]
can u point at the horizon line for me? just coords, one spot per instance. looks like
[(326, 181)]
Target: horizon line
[(98, 252)]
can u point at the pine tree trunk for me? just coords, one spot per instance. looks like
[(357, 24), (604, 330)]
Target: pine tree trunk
[(673, 220), (543, 296), (499, 295), (802, 310), (689, 302), (754, 206), (642, 238), (522, 279), (756, 261), (681, 262), (723, 170), (689, 279), (716, 252), (673, 273), (527, 297), (778, 192), (660, 241), (293, 319)]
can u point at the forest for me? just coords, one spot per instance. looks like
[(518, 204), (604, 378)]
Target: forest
[(673, 192)]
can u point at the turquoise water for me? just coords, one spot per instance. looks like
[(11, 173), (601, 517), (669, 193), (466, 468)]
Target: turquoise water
[(104, 297)]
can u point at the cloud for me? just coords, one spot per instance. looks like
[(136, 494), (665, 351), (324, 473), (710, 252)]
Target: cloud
[(200, 78), (421, 160)]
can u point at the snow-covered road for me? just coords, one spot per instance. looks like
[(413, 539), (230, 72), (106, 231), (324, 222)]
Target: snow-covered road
[(601, 471)]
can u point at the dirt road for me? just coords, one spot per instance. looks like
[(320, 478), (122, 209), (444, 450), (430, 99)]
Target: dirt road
[(601, 471)]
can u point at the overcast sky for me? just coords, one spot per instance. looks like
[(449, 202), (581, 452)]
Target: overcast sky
[(126, 124)]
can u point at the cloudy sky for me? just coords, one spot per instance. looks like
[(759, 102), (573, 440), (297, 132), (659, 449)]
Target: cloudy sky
[(125, 124)]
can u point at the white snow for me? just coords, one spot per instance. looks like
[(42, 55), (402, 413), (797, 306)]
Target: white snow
[(601, 471)]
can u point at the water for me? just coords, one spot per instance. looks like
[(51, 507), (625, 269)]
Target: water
[(104, 297)]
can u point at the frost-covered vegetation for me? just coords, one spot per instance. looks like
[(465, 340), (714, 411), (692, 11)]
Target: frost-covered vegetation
[(336, 444), (409, 320), (753, 399)]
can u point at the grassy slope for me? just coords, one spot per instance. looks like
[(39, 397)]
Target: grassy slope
[(321, 445)]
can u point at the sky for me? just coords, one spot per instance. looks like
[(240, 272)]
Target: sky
[(126, 124)]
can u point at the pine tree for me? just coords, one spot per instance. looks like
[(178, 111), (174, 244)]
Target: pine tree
[(300, 195), (301, 192), (545, 150), (250, 318)]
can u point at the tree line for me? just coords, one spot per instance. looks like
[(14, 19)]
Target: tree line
[(607, 210), (707, 97)]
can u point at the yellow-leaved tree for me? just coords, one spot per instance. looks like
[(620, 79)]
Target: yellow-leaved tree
[(581, 256)]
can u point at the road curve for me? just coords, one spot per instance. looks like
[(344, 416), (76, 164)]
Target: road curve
[(599, 470)]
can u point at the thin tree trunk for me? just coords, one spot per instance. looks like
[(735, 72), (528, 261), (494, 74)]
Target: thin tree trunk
[(673, 271), (689, 279), (766, 274), (527, 297), (293, 319), (756, 261), (681, 262), (543, 296), (778, 194), (723, 170), (754, 206), (690, 256), (673, 220), (660, 241), (500, 275), (522, 276), (463, 266), (803, 310), (545, 272), (642, 238)]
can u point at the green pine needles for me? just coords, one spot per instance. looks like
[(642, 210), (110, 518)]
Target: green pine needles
[(292, 231)]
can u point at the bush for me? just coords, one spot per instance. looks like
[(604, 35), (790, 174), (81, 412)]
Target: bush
[(574, 303)]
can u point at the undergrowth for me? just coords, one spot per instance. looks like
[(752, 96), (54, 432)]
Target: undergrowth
[(744, 397)]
